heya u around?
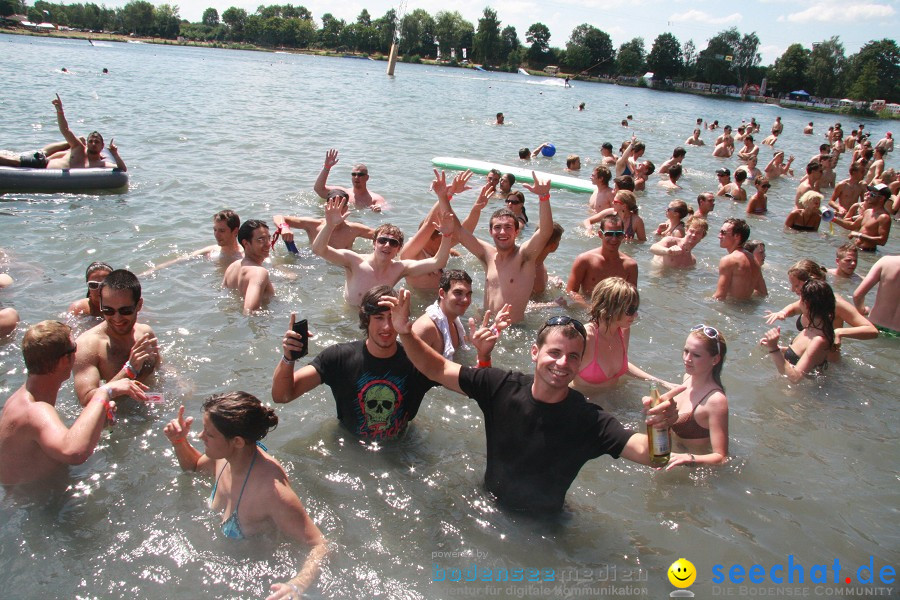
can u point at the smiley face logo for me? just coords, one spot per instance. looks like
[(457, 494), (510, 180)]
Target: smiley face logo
[(682, 573)]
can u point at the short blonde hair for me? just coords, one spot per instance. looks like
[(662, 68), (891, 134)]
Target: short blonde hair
[(611, 298), (810, 198)]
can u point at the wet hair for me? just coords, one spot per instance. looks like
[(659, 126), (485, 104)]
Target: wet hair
[(845, 249), (675, 172), (628, 198), (607, 146), (603, 173), (555, 235), (624, 182), (495, 172), (819, 299), (740, 175), (680, 207), (611, 298), (778, 153), (809, 198), (748, 138), (760, 180), (368, 306), (698, 223), (500, 114), (97, 266), (451, 275), (650, 167), (97, 133), (120, 279), (740, 227), (524, 152), (639, 146), (504, 212), (388, 229), (245, 233), (510, 178), (44, 344), (337, 194), (805, 269), (239, 414), (813, 165), (231, 218), (571, 160), (752, 245), (697, 131), (679, 151), (716, 347), (614, 220)]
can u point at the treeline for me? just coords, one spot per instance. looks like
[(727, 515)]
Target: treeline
[(730, 57)]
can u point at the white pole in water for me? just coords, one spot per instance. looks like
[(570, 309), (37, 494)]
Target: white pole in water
[(392, 59)]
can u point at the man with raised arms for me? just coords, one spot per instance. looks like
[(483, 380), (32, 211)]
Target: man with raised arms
[(676, 252), (602, 196), (74, 154), (225, 251), (441, 326), (34, 442), (376, 389), (593, 266), (381, 266), (871, 227), (358, 193), (119, 347), (539, 431), (510, 269), (885, 313), (739, 273), (849, 191), (248, 275), (342, 237)]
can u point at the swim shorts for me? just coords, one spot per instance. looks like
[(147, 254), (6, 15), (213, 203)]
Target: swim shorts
[(33, 161), (888, 333)]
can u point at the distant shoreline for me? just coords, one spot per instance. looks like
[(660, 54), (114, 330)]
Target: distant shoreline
[(109, 37)]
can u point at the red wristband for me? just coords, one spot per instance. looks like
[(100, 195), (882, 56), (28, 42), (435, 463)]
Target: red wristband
[(544, 198), (484, 363)]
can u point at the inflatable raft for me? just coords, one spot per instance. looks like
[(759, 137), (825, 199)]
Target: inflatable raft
[(481, 167), (17, 179)]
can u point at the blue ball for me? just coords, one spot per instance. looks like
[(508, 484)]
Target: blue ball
[(548, 150)]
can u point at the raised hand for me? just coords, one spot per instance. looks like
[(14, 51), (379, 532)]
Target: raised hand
[(177, 429), (460, 182), (331, 158), (541, 188), (291, 342), (399, 307), (335, 209)]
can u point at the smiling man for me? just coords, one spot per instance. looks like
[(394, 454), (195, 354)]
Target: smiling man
[(593, 266), (359, 192), (739, 273), (539, 431), (247, 275), (119, 347)]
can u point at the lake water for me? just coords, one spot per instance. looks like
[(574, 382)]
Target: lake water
[(813, 472)]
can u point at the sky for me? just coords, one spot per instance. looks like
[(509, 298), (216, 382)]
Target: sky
[(778, 23)]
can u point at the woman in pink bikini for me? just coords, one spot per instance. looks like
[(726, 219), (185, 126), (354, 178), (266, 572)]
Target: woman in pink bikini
[(702, 427), (614, 305)]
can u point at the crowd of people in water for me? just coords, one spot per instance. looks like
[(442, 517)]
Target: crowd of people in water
[(540, 428)]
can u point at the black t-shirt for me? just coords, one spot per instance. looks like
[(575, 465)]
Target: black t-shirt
[(375, 397), (535, 449)]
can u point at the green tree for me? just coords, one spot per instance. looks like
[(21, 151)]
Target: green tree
[(826, 68), (210, 17), (166, 21), (488, 43), (538, 35), (417, 32), (884, 56), (630, 58), (788, 73), (137, 17), (453, 32), (9, 7), (689, 57), (665, 58), (364, 18), (713, 64), (385, 29), (330, 32), (509, 44), (236, 20), (866, 85), (746, 58), (589, 49)]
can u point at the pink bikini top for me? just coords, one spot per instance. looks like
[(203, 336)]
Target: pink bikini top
[(594, 374)]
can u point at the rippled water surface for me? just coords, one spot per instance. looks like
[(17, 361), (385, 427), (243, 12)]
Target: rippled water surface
[(814, 465)]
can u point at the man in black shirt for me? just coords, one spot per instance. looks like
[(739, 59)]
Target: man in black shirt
[(539, 431)]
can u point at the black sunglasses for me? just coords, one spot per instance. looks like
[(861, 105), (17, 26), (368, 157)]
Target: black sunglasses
[(125, 311), (358, 174), (562, 321), (384, 240)]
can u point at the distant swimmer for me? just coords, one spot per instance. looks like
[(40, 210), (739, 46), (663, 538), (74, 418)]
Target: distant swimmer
[(678, 155), (573, 162), (808, 129), (749, 150), (500, 118), (724, 149), (671, 182), (74, 154), (225, 251), (777, 126), (358, 193), (770, 140), (248, 275), (739, 273), (886, 143), (694, 140), (581, 106), (606, 153), (676, 251)]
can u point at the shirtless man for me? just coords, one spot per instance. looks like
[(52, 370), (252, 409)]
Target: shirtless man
[(225, 251), (342, 238), (749, 150), (119, 347), (602, 197), (643, 171), (777, 126), (248, 275), (724, 176), (811, 181), (739, 273), (885, 313), (510, 269), (676, 252), (573, 163), (706, 203), (871, 227), (725, 149), (849, 191), (441, 326), (593, 266), (845, 260), (607, 158), (886, 143), (358, 193), (381, 266), (678, 155), (777, 167), (877, 166), (671, 182), (34, 442), (850, 140), (694, 140), (726, 137), (808, 129), (80, 154)]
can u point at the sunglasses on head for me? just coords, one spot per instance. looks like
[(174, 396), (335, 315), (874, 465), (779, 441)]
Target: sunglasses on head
[(94, 285), (562, 321), (125, 311), (387, 241), (710, 332)]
